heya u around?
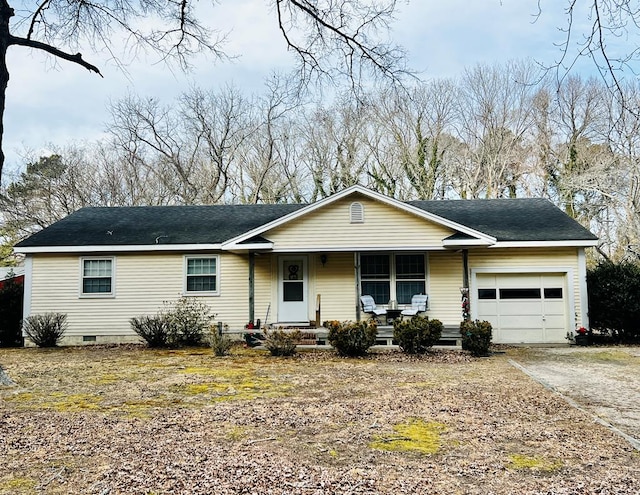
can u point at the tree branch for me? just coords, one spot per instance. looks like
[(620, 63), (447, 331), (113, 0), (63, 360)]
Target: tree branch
[(77, 58)]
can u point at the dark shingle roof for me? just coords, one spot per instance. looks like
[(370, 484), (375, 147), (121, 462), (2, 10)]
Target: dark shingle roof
[(143, 225), (504, 219), (521, 219)]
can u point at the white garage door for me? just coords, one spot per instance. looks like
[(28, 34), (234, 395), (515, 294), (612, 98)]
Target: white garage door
[(523, 307)]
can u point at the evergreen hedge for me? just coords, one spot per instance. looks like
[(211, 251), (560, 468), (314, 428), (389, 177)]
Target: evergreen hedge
[(614, 300)]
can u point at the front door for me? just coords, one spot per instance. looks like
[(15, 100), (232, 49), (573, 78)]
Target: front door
[(292, 289)]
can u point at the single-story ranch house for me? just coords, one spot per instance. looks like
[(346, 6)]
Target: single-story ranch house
[(520, 262)]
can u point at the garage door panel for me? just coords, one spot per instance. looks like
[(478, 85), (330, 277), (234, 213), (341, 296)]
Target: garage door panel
[(518, 280), (553, 280), (520, 336), (533, 322), (556, 335), (488, 308), (554, 307), (520, 307)]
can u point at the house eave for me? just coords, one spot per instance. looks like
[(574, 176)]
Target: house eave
[(524, 244), (353, 249), (458, 244), (117, 248), (244, 247)]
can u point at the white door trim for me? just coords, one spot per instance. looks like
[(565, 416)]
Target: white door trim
[(295, 310)]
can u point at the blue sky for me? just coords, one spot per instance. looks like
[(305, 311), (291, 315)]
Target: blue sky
[(56, 103)]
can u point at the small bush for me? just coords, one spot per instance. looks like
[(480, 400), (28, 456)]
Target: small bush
[(188, 320), (46, 330), (220, 344), (352, 338), (476, 337), (281, 342), (154, 330), (418, 334)]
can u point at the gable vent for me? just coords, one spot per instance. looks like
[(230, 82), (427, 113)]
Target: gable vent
[(356, 213)]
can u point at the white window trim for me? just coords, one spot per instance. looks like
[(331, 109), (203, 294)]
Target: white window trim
[(192, 293), (393, 278), (98, 295)]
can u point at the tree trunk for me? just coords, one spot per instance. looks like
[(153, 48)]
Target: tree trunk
[(6, 13)]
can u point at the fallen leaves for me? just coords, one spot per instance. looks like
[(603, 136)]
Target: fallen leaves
[(313, 436)]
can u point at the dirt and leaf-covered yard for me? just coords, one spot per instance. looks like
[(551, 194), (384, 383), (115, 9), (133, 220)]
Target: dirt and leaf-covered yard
[(128, 420)]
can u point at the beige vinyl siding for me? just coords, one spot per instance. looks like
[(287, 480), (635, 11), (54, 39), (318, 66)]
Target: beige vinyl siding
[(336, 284), (142, 283), (445, 280), (531, 259), (330, 228)]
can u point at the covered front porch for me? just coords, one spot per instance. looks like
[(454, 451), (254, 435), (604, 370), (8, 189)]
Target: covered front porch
[(303, 290)]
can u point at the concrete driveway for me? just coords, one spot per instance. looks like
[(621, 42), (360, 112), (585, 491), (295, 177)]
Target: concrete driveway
[(604, 381)]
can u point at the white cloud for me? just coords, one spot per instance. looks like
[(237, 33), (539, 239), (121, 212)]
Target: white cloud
[(46, 105)]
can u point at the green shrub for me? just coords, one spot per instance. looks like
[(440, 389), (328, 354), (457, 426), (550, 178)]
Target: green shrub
[(188, 320), (220, 344), (281, 342), (418, 334), (476, 337), (11, 297), (154, 330), (46, 330), (614, 306), (352, 338)]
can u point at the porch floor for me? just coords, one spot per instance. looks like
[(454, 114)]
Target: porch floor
[(317, 336)]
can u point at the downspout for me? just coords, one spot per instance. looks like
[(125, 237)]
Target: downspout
[(252, 274)]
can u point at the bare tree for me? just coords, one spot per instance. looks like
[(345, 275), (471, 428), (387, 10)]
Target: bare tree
[(339, 38), (495, 117), (412, 139), (578, 120), (605, 31), (265, 171), (618, 222), (316, 30), (190, 148), (334, 146)]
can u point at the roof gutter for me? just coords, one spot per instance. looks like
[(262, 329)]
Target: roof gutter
[(116, 248)]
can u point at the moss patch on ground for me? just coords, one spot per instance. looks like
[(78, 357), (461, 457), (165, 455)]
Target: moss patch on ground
[(519, 461), (416, 435)]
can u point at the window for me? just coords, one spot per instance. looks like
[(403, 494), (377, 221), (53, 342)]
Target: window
[(202, 274), (486, 293), (553, 293), (410, 277), (97, 276), (375, 273), (520, 293), (405, 273)]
